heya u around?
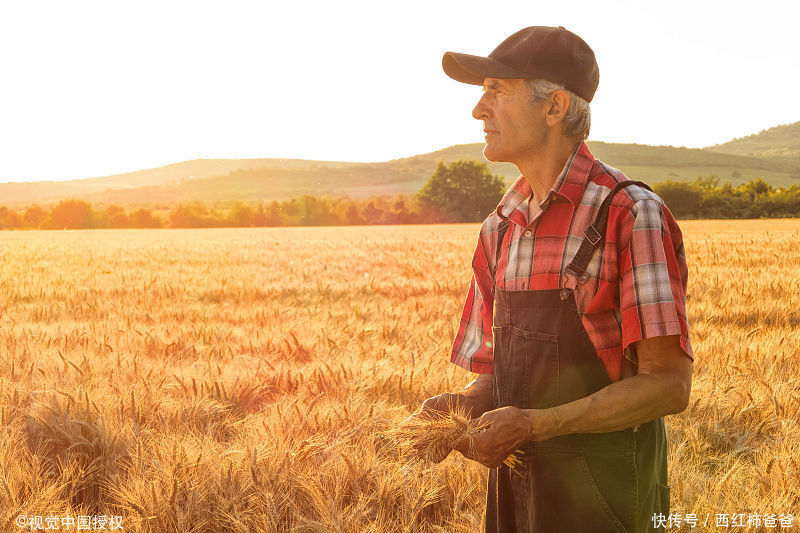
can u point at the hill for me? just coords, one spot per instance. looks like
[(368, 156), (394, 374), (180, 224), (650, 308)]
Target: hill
[(773, 154), (778, 141), (173, 174), (406, 176)]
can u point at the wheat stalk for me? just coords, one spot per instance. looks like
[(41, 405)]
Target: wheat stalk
[(433, 434)]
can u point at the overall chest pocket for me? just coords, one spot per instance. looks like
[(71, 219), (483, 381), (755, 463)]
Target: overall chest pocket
[(526, 368)]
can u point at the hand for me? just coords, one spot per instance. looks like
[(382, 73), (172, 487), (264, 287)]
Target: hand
[(446, 402), (506, 429), (474, 400), (443, 403)]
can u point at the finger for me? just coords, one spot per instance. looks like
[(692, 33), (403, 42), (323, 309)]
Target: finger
[(483, 422), (493, 464), (463, 446)]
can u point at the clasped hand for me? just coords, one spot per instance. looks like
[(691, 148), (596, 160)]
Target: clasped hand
[(505, 430)]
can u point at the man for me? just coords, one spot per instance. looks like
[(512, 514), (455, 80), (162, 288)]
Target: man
[(575, 318)]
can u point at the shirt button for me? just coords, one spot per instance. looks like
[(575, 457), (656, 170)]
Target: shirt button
[(528, 233)]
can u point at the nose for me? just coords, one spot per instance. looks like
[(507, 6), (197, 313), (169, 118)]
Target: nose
[(481, 110)]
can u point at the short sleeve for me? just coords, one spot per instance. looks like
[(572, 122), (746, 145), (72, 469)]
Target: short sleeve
[(472, 347), (653, 275)]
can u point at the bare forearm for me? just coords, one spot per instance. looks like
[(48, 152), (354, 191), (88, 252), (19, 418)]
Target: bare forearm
[(626, 403), (478, 395)]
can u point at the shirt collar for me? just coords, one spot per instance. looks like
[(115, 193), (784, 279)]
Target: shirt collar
[(570, 184)]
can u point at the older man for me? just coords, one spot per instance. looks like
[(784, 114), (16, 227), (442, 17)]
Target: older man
[(575, 317)]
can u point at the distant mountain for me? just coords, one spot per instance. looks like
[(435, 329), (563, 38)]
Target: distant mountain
[(778, 141), (176, 173), (773, 154)]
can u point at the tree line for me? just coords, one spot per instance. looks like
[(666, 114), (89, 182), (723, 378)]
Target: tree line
[(306, 210), (705, 197), (464, 191)]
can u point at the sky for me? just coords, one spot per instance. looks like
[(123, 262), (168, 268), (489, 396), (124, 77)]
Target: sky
[(99, 88)]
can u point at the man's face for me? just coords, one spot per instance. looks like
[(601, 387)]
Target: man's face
[(512, 128)]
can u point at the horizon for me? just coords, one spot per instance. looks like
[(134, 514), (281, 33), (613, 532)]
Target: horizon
[(93, 99), (356, 162)]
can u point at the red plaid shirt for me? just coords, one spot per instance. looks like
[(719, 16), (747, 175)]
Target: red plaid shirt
[(637, 281)]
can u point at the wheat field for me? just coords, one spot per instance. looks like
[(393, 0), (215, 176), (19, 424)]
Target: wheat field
[(249, 379)]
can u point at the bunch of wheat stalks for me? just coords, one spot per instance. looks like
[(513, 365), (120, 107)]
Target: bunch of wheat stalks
[(432, 435)]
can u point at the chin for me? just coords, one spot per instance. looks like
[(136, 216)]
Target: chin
[(492, 155)]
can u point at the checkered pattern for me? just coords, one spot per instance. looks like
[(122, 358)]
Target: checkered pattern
[(637, 280)]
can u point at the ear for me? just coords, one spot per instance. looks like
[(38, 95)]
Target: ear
[(557, 107)]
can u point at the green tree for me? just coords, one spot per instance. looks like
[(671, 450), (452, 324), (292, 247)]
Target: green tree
[(755, 188), (242, 215), (682, 199), (72, 214), (464, 191), (114, 217), (706, 184), (144, 218), (194, 215), (372, 214), (259, 217), (276, 214), (34, 216), (316, 211), (352, 218), (400, 213), (10, 218)]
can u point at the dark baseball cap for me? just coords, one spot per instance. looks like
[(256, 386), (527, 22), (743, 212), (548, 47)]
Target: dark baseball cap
[(543, 52)]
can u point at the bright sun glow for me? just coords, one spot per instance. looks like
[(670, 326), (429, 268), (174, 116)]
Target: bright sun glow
[(97, 88)]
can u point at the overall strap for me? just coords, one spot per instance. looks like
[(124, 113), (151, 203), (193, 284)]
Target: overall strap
[(595, 233), (501, 232)]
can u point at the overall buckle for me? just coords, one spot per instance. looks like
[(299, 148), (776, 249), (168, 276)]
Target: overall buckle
[(592, 235)]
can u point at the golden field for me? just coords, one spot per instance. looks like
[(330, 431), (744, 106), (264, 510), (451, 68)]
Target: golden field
[(245, 379)]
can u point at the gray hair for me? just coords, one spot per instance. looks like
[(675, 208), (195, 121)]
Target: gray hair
[(578, 119)]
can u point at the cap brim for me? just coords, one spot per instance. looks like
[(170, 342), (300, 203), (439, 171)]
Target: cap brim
[(474, 69)]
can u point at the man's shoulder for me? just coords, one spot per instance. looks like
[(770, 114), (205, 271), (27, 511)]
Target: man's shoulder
[(634, 207), (603, 177), (491, 223)]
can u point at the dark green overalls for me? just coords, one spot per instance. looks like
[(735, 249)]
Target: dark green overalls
[(593, 482)]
